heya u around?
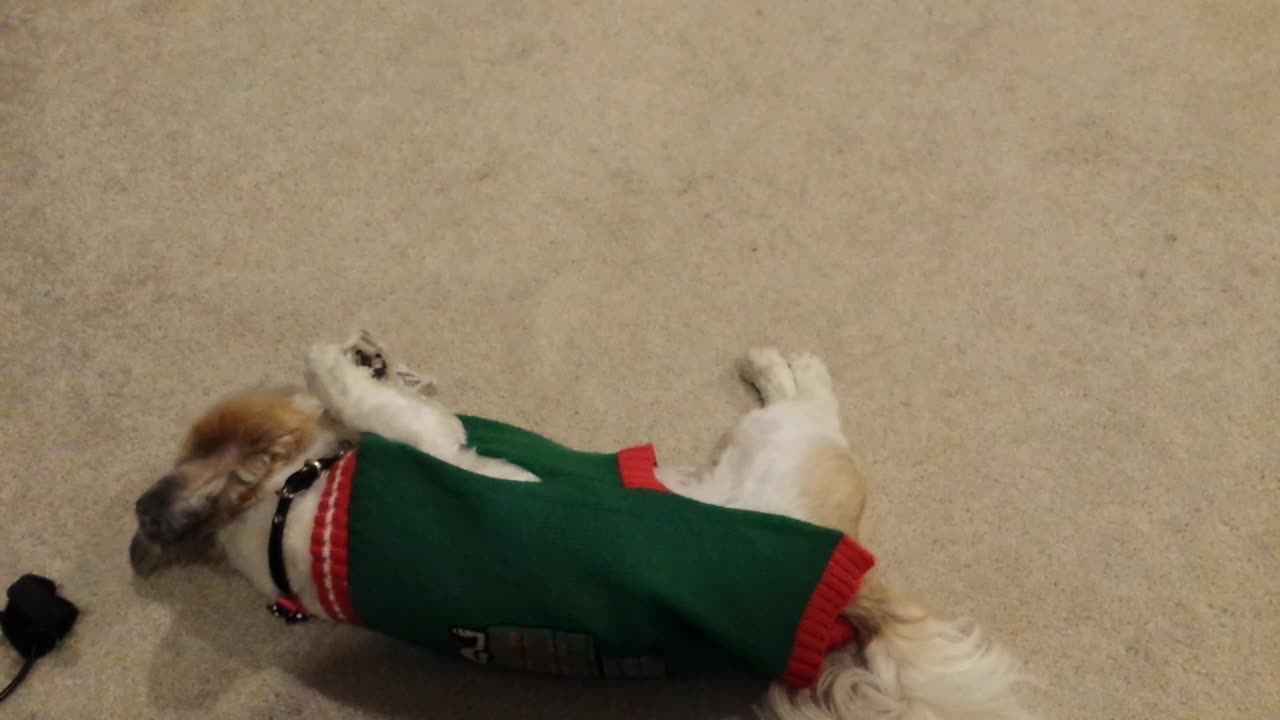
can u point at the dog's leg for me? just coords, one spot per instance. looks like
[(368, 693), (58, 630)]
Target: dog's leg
[(772, 455), (365, 404)]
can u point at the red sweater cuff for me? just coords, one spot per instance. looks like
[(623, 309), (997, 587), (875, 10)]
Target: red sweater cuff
[(822, 627)]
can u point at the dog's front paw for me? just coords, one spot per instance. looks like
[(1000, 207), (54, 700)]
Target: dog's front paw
[(331, 376), (366, 352)]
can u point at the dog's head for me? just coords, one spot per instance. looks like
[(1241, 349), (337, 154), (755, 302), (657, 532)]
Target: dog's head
[(228, 454)]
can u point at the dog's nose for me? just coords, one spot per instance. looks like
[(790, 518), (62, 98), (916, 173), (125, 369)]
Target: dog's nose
[(150, 509), (150, 504)]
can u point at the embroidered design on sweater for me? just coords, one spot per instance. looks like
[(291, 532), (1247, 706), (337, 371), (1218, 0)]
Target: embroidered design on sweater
[(550, 652)]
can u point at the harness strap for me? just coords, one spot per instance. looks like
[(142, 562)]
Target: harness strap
[(287, 607)]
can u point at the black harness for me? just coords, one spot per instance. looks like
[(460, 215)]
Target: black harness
[(287, 607)]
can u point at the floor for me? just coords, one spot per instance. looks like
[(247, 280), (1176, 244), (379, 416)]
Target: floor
[(1038, 243)]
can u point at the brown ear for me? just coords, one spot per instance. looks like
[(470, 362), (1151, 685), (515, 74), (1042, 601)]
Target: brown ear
[(261, 461), (253, 422)]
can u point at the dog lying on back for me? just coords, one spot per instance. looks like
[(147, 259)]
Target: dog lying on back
[(363, 500)]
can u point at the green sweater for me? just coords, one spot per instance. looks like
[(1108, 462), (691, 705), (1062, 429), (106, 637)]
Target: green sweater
[(594, 571)]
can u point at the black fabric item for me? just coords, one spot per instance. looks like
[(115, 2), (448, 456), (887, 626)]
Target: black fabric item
[(35, 620)]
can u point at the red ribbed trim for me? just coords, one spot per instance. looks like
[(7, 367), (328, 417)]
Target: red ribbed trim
[(636, 465), (329, 566), (822, 627)]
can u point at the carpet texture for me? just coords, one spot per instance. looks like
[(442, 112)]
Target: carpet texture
[(1038, 243)]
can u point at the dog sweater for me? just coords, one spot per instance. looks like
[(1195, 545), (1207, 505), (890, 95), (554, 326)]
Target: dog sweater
[(596, 571)]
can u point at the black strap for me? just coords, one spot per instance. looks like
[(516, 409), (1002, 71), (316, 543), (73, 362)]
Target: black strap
[(17, 679), (287, 607)]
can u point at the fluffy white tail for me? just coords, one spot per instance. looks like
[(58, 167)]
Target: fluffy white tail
[(916, 667)]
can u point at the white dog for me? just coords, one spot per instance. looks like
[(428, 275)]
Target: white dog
[(787, 458)]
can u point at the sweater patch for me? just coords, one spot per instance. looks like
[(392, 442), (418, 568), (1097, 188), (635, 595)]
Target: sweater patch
[(549, 652)]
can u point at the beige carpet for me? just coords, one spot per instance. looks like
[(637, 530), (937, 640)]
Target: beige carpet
[(1039, 244)]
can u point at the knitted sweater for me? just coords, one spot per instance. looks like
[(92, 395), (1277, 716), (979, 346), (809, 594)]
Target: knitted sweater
[(595, 571)]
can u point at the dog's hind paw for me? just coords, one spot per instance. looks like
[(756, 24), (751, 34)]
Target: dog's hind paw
[(767, 371), (810, 373)]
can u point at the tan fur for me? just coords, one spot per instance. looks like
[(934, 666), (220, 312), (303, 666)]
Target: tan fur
[(835, 493), (835, 496), (250, 435), (269, 422), (876, 606)]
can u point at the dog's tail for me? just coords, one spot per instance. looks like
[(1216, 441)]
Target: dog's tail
[(914, 667)]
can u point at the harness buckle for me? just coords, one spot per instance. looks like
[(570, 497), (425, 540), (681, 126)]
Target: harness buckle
[(288, 610), (301, 480)]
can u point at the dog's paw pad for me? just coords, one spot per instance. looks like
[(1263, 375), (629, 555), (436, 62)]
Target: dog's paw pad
[(363, 351)]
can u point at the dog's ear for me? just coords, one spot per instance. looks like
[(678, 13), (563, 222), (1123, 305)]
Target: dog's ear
[(265, 425), (259, 462), (256, 465)]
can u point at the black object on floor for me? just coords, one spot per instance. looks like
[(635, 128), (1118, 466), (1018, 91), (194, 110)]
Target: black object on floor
[(35, 621)]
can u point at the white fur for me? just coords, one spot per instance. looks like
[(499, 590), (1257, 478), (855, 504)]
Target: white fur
[(916, 668), (368, 405), (921, 668), (244, 541)]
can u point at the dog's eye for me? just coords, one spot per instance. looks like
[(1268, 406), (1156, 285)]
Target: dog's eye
[(252, 470)]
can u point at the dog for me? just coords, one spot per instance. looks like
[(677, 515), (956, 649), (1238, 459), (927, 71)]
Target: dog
[(247, 465)]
